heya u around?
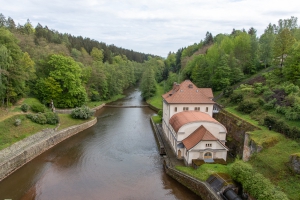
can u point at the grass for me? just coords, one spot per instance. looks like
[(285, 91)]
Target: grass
[(10, 133), (156, 119), (66, 121), (204, 171), (93, 104), (156, 100), (273, 160)]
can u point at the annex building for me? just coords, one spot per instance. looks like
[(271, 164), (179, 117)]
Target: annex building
[(189, 126)]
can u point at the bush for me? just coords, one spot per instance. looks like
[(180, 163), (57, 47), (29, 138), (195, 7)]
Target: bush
[(83, 112), (52, 118), (236, 98), (44, 118), (37, 107), (25, 107), (160, 113), (227, 92), (270, 104), (247, 106), (256, 184), (18, 122)]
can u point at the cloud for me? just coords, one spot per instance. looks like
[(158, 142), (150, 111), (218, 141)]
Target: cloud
[(156, 26)]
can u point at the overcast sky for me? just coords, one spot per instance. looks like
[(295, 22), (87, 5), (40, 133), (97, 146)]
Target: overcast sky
[(156, 26)]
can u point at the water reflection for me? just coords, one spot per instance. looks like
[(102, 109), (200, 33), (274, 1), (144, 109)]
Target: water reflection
[(115, 159)]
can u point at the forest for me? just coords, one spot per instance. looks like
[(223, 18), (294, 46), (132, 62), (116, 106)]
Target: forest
[(69, 70)]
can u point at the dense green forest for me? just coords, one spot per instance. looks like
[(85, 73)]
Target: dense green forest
[(66, 69)]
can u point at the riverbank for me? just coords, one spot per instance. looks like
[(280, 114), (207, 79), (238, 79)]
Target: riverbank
[(170, 162), (18, 154)]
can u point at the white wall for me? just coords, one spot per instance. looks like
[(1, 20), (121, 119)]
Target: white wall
[(191, 108), (214, 128)]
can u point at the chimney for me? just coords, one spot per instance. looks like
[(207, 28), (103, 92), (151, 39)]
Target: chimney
[(174, 85), (190, 85)]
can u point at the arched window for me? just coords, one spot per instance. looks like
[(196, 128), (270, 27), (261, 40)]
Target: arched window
[(208, 155)]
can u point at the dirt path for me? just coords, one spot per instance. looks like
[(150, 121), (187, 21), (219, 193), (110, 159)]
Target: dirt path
[(6, 113)]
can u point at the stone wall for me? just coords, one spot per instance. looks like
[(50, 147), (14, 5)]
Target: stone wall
[(236, 129), (200, 188), (18, 154)]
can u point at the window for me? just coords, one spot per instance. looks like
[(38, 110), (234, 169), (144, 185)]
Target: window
[(206, 109), (197, 108), (175, 109), (185, 108), (208, 145)]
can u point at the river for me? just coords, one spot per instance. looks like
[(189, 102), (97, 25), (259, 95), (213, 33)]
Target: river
[(115, 159)]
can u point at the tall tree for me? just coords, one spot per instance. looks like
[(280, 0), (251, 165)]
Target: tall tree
[(282, 45)]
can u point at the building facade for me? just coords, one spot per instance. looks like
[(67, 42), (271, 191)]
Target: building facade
[(189, 126)]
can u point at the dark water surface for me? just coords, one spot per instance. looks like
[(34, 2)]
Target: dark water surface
[(115, 159)]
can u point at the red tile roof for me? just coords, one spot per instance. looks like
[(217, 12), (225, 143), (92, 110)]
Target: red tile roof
[(187, 92), (200, 134), (185, 117)]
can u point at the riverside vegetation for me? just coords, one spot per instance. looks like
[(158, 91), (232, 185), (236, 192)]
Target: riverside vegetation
[(254, 77)]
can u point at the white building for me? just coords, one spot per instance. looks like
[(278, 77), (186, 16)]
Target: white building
[(189, 126)]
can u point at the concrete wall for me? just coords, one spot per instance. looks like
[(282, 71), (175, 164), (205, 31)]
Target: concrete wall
[(200, 188), (18, 154)]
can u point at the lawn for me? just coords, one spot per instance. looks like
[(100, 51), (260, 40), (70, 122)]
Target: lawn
[(156, 100), (66, 121), (93, 104), (10, 133), (204, 171)]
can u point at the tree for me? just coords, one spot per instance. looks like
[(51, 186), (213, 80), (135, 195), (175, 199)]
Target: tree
[(291, 70), (63, 83), (148, 84), (282, 45), (266, 42), (97, 54)]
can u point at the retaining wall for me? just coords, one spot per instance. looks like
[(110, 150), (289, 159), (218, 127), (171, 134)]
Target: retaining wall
[(18, 154), (200, 188)]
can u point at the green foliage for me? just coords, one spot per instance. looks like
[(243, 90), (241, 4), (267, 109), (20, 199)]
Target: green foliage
[(236, 98), (83, 112), (38, 107), (24, 107), (39, 118), (227, 92), (18, 122), (256, 184), (269, 105), (148, 84), (247, 106), (160, 113), (52, 118)]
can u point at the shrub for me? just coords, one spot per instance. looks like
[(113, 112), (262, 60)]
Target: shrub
[(25, 107), (227, 92), (18, 122), (37, 107), (44, 118), (83, 112), (236, 98), (269, 105), (160, 113), (52, 118), (256, 184), (247, 106)]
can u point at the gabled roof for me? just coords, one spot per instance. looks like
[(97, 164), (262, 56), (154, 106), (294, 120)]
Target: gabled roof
[(200, 134), (187, 92), (185, 117)]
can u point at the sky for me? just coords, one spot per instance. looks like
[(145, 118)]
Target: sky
[(157, 26)]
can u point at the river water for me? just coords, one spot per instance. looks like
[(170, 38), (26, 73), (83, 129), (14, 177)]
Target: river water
[(115, 159)]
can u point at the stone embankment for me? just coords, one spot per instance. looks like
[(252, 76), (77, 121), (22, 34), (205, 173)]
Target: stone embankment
[(200, 188), (18, 154)]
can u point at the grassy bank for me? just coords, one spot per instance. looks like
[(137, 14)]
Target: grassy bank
[(156, 100), (204, 171), (10, 133), (93, 104), (273, 160), (66, 121)]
